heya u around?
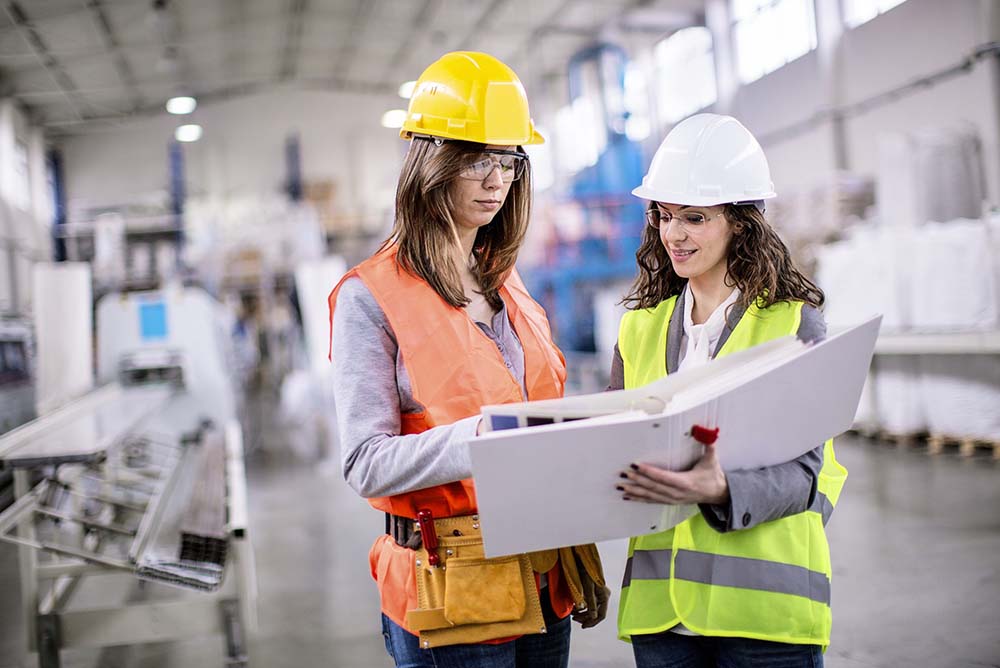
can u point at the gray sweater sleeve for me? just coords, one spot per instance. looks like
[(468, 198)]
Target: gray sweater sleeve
[(769, 493), (371, 390)]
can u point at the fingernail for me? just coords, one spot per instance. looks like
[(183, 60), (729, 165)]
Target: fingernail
[(626, 498), (623, 475), (635, 467), (620, 488)]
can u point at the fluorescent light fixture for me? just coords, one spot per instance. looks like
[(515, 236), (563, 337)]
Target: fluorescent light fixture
[(393, 118), (181, 105), (188, 133), (406, 89)]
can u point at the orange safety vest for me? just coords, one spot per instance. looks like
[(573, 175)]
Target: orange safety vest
[(454, 370)]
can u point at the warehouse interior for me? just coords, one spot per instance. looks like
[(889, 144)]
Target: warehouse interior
[(183, 182)]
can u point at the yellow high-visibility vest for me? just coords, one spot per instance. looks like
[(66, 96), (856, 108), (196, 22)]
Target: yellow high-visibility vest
[(771, 582)]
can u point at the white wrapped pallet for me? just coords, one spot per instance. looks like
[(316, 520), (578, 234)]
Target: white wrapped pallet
[(953, 283), (949, 164), (961, 395), (934, 174), (868, 273), (898, 186), (898, 399)]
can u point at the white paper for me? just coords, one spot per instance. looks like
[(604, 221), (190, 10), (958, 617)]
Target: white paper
[(554, 485)]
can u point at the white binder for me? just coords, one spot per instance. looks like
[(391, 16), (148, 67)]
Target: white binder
[(553, 483)]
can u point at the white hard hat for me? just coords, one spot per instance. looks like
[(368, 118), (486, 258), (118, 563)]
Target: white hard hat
[(705, 160)]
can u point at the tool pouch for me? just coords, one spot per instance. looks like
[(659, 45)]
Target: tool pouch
[(581, 566), (467, 598)]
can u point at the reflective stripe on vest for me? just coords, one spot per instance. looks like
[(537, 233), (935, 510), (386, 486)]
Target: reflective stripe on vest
[(716, 569), (754, 583)]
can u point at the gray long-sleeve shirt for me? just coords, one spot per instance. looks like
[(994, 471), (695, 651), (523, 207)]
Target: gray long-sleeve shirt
[(758, 495), (371, 391)]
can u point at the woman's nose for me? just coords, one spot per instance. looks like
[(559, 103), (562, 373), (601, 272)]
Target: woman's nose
[(493, 180), (674, 229)]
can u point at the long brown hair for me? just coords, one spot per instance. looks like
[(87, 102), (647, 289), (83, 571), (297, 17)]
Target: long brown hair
[(425, 231), (759, 264)]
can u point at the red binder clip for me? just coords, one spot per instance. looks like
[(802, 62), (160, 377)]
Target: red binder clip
[(429, 536), (704, 434)]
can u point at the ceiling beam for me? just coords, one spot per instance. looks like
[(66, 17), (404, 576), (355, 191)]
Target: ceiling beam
[(345, 57), (220, 94), (421, 25), (111, 44), (51, 64), (468, 41), (293, 40)]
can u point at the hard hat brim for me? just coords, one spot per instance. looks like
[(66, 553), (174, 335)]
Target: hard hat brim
[(535, 138), (685, 199)]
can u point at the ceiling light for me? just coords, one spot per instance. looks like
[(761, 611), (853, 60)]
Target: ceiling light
[(181, 105), (393, 118), (406, 89), (188, 133)]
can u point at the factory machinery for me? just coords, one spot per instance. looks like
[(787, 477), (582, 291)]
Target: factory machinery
[(142, 478)]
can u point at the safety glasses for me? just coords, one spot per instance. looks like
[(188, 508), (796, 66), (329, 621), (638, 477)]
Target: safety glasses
[(510, 163), (657, 218)]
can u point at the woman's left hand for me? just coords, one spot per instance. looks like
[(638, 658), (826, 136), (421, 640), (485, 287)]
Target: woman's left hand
[(704, 483)]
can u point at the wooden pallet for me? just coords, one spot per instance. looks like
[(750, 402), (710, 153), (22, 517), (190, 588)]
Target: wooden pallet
[(900, 440), (938, 443)]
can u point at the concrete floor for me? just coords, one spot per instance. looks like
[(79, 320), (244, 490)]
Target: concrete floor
[(915, 539)]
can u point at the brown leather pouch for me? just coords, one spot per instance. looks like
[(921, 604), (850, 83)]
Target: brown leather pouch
[(467, 598), (581, 565)]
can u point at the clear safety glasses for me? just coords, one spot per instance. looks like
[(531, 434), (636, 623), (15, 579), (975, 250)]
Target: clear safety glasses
[(481, 165), (657, 217), (510, 163)]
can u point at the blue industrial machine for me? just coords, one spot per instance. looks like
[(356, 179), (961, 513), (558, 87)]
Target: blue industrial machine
[(613, 218)]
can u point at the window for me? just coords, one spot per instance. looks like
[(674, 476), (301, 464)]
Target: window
[(636, 103), (857, 12), (685, 71), (769, 33), (580, 134)]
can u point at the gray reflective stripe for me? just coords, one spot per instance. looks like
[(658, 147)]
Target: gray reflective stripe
[(716, 569), (647, 565), (821, 504)]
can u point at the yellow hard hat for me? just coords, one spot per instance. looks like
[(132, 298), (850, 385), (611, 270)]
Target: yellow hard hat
[(471, 97)]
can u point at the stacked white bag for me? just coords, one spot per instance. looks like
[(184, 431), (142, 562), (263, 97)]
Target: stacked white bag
[(955, 289), (925, 278), (865, 274)]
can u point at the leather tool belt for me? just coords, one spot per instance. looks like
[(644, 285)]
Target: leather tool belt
[(467, 598)]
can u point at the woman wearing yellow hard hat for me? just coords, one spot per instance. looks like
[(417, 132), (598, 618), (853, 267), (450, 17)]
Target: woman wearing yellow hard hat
[(433, 326)]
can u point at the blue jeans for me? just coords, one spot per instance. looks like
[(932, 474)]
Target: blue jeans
[(673, 650), (537, 650)]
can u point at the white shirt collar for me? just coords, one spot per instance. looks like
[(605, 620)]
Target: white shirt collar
[(702, 339)]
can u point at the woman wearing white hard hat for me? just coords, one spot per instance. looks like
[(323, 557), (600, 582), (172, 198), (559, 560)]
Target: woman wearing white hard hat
[(746, 581)]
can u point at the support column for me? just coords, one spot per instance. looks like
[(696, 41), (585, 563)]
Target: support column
[(719, 22), (829, 52), (990, 14)]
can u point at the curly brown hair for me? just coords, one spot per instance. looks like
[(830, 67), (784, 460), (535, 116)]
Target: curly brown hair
[(759, 264), (425, 231)]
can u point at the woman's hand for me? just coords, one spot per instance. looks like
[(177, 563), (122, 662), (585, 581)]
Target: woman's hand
[(705, 483)]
